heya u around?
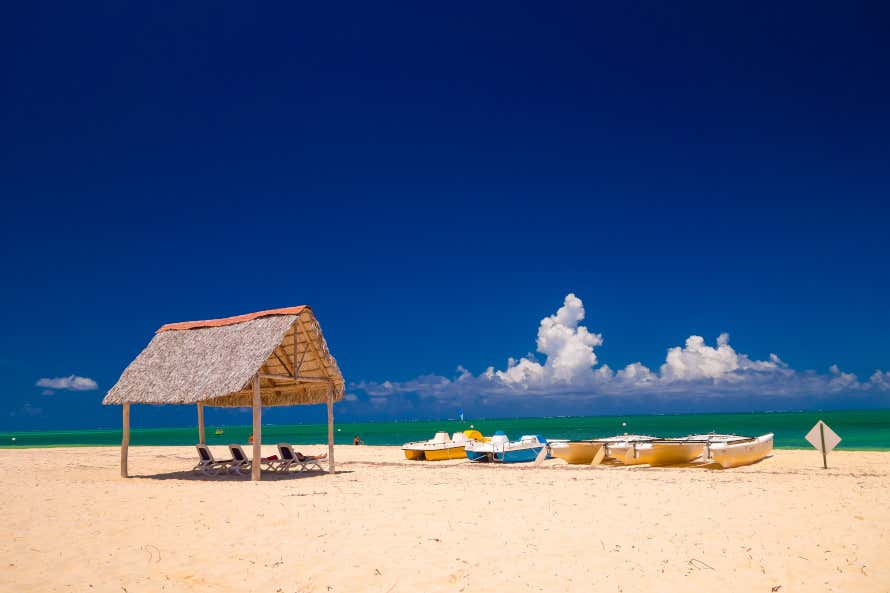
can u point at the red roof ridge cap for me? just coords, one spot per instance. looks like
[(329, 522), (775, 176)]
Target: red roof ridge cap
[(231, 320)]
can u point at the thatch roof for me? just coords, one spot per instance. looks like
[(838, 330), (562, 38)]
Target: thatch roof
[(214, 362)]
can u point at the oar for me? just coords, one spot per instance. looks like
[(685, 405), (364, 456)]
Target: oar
[(599, 456)]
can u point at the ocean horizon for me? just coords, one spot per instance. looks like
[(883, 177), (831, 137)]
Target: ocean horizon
[(865, 430)]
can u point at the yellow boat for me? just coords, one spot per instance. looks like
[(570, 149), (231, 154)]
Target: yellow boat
[(620, 443), (455, 452), (413, 454), (440, 447), (576, 452), (661, 452)]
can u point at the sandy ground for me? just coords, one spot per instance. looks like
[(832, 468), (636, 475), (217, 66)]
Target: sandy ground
[(384, 524)]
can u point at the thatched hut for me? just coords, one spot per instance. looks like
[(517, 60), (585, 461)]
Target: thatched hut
[(269, 358)]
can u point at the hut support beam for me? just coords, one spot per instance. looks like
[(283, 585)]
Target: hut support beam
[(296, 343), (202, 437), (331, 429), (282, 363), (257, 430), (125, 439)]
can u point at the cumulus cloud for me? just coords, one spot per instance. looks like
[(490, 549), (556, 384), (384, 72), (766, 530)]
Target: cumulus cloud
[(880, 380), (26, 409), (570, 368), (568, 348), (696, 360), (69, 383)]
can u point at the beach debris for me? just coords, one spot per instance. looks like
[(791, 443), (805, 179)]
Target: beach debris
[(696, 563), (151, 554), (776, 588), (823, 439)]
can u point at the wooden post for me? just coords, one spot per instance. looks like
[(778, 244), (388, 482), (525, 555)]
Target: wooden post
[(257, 430), (202, 438), (331, 429), (822, 437), (125, 440)]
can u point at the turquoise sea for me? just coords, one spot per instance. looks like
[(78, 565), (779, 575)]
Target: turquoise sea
[(860, 430)]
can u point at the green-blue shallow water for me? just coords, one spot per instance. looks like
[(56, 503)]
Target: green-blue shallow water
[(862, 430)]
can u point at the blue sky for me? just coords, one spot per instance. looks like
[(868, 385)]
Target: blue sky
[(434, 182)]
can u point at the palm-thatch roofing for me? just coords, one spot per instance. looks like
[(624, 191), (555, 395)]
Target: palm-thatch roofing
[(214, 362)]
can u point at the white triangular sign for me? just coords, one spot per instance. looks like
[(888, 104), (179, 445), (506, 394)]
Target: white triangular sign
[(815, 437)]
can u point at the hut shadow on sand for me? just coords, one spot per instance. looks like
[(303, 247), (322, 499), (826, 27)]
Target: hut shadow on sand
[(193, 476), (268, 358)]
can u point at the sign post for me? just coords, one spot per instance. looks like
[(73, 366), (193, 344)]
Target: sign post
[(824, 439)]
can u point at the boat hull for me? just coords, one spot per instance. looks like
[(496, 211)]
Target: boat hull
[(576, 452), (477, 455), (659, 453), (457, 452), (736, 454), (502, 450), (518, 455)]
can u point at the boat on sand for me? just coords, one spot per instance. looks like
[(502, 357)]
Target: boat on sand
[(617, 445), (576, 452), (441, 447), (657, 451), (729, 450), (499, 448)]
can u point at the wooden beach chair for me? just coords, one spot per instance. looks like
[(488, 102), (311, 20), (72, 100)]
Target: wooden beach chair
[(290, 458), (207, 464)]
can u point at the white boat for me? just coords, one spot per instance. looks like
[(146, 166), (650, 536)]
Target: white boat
[(733, 451), (501, 449)]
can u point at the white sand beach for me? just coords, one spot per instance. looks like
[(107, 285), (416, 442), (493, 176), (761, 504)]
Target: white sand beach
[(388, 525)]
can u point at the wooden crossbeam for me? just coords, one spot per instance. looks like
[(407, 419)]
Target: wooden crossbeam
[(297, 379), (281, 361)]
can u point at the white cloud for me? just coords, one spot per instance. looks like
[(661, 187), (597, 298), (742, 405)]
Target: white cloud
[(881, 380), (636, 373), (696, 360), (26, 409), (567, 346), (570, 369), (70, 383)]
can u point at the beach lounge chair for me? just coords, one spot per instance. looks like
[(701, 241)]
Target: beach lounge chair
[(207, 464), (239, 459), (240, 462), (290, 458)]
